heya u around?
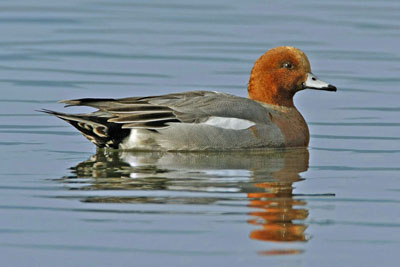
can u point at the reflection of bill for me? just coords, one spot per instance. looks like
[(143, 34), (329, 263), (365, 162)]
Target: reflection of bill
[(265, 177)]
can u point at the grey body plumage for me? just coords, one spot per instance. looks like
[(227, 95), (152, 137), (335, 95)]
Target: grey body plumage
[(175, 122)]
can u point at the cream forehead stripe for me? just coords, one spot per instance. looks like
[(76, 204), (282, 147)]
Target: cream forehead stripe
[(301, 56)]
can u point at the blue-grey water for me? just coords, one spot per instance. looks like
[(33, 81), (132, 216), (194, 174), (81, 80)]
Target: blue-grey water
[(335, 204)]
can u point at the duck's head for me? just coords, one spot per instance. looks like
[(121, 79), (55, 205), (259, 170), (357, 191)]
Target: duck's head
[(280, 73)]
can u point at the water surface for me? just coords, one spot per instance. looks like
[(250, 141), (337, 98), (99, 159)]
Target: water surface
[(335, 204)]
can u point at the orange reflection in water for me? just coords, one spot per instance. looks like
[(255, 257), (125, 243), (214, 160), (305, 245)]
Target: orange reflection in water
[(277, 212), (278, 252)]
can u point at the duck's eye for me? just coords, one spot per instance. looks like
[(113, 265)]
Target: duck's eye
[(287, 65)]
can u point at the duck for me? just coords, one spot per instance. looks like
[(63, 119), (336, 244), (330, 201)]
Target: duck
[(208, 120)]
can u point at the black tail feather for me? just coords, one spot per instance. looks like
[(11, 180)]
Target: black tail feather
[(96, 129)]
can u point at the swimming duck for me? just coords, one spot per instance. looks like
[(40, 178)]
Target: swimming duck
[(205, 120)]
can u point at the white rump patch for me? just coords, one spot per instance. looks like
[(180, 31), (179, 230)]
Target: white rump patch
[(229, 123), (131, 141), (138, 139)]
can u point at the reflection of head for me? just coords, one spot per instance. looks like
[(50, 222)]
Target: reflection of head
[(266, 177), (276, 207)]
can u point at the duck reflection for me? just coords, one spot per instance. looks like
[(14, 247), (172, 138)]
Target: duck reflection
[(264, 178), (277, 209)]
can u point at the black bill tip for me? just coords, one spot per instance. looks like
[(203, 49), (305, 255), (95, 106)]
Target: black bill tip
[(331, 88)]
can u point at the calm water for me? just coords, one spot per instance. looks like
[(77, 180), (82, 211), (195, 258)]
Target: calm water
[(335, 204)]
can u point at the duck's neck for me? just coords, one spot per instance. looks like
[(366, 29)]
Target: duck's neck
[(271, 97), (263, 90)]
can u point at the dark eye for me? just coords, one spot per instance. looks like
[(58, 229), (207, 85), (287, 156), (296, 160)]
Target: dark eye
[(287, 65)]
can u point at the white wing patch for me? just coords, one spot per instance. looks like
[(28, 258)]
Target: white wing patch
[(229, 123)]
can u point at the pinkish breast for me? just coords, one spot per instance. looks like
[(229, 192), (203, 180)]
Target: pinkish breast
[(293, 127)]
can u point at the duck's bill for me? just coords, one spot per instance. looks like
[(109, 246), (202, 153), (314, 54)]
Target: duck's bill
[(312, 82)]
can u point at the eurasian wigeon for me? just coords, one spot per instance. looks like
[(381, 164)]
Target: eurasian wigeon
[(203, 120)]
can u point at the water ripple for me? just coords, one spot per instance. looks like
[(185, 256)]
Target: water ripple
[(345, 137)]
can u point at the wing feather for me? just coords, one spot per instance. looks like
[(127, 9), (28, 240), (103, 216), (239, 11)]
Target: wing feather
[(157, 112), (142, 117)]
